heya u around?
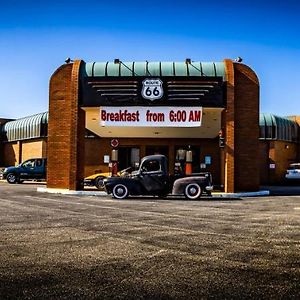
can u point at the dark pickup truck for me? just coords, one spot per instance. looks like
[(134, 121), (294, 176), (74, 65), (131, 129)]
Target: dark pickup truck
[(152, 178), (31, 169)]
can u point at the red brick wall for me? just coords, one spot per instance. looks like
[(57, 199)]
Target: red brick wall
[(241, 128), (264, 174), (95, 149), (32, 149), (279, 153), (2, 143), (285, 153), (65, 130), (246, 128), (229, 129), (11, 154)]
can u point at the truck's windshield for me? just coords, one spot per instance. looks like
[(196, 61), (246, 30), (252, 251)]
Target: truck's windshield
[(151, 166), (28, 164)]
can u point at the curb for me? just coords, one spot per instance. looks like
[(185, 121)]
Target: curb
[(69, 192), (102, 193), (241, 195)]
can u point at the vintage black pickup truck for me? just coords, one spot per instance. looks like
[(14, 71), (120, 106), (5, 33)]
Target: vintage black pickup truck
[(152, 178)]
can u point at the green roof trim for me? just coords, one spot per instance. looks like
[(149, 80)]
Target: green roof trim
[(30, 127), (127, 69), (267, 120), (273, 120), (278, 128)]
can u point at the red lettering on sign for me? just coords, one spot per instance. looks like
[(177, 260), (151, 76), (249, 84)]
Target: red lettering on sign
[(178, 116), (121, 116), (103, 115), (195, 116), (154, 117)]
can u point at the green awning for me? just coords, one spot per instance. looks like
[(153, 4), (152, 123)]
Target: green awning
[(126, 69), (26, 128), (277, 128)]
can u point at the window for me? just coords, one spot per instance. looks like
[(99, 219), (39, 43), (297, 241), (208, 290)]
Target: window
[(151, 166), (28, 164), (39, 163)]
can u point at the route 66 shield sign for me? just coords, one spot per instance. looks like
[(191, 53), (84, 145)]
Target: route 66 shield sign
[(152, 89)]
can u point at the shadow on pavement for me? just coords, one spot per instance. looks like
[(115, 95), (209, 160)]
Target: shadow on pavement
[(286, 190)]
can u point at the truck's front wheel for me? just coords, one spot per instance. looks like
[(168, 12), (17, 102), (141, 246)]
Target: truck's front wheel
[(192, 191), (11, 178), (120, 191)]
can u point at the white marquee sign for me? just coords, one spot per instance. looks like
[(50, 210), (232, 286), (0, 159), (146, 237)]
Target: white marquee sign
[(162, 116)]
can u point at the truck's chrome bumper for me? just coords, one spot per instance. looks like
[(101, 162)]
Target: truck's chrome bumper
[(209, 187)]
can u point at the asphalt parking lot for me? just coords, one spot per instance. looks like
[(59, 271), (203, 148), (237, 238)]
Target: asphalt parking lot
[(62, 247)]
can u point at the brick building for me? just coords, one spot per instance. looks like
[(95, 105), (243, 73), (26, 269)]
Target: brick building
[(157, 107), (278, 146)]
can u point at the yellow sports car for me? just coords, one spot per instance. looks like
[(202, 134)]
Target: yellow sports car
[(97, 179)]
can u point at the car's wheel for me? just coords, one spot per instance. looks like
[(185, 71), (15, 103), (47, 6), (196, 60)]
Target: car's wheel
[(99, 183), (192, 191), (120, 191), (11, 178)]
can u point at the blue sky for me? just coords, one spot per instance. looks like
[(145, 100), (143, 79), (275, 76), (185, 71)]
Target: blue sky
[(37, 36)]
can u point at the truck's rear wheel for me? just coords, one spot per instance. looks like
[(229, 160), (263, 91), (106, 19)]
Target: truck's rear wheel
[(11, 178), (120, 191), (192, 191)]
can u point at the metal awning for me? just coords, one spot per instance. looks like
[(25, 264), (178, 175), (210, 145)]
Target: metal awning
[(163, 69), (26, 128), (277, 128)]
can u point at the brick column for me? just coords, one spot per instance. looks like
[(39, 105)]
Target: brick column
[(65, 146), (241, 128), (246, 128), (229, 128)]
